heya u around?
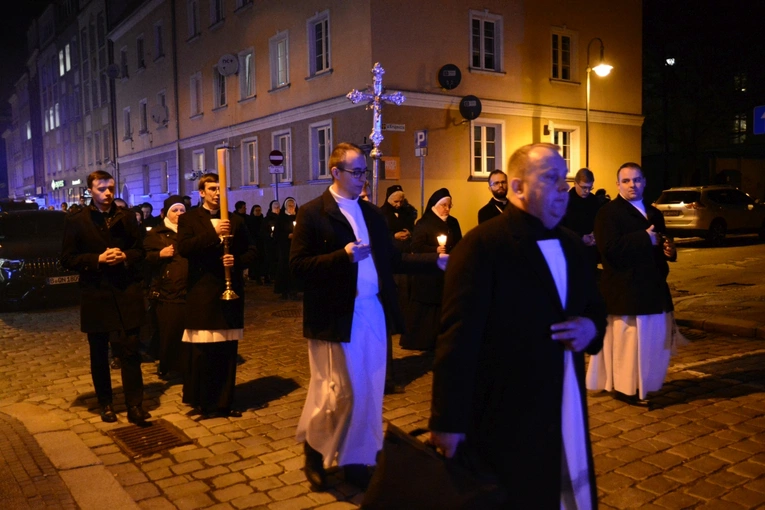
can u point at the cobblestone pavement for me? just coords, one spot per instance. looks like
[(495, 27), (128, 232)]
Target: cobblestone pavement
[(701, 446)]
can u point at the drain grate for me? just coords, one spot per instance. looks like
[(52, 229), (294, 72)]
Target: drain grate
[(291, 313), (140, 441)]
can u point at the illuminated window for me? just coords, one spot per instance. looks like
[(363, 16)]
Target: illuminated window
[(486, 145), (279, 52), (739, 128), (246, 74), (740, 82)]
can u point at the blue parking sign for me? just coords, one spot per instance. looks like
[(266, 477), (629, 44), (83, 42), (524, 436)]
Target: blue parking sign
[(421, 139), (758, 122)]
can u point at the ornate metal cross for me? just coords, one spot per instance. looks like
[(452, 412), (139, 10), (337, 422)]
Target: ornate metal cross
[(375, 99)]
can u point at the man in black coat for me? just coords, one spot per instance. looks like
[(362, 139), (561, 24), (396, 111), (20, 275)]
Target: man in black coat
[(342, 251), (213, 326), (581, 210), (103, 243), (635, 253), (516, 394), (498, 202)]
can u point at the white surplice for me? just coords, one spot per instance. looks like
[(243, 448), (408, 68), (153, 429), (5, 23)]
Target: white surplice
[(575, 492), (342, 416)]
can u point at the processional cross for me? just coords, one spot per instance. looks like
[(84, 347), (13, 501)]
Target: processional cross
[(375, 99)]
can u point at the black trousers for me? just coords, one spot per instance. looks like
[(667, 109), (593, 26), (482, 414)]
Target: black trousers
[(125, 347), (170, 319)]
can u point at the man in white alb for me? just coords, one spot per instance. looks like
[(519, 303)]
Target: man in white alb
[(342, 252), (634, 253), (515, 396)]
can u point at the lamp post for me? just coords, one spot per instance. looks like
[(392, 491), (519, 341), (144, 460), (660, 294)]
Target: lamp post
[(602, 69)]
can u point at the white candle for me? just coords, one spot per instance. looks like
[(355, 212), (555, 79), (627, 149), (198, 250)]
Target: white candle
[(441, 240)]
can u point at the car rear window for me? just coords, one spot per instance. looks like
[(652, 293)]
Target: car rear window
[(678, 197)]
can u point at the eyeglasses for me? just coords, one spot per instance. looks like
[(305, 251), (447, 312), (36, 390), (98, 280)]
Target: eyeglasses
[(497, 184), (356, 173), (585, 187)]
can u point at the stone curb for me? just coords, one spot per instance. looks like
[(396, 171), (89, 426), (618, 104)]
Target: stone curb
[(722, 324), (92, 485)]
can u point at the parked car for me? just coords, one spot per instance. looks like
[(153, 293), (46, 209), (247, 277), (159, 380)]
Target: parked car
[(30, 273), (711, 212)]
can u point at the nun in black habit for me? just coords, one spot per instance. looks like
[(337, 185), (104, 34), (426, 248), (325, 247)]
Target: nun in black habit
[(424, 311)]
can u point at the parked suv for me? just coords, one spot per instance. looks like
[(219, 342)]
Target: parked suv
[(30, 273), (711, 212)]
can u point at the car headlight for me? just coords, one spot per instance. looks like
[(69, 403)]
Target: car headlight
[(11, 264)]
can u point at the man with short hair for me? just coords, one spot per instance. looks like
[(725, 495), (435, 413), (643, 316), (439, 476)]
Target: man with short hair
[(516, 396), (498, 202), (634, 252), (103, 244), (240, 208), (581, 210), (342, 251), (213, 326), (64, 206)]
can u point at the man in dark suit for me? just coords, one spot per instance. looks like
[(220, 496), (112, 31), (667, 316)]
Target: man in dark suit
[(581, 210), (213, 327), (103, 243), (634, 252), (516, 394), (342, 251), (498, 202)]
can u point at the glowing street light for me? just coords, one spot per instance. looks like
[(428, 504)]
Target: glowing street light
[(602, 69)]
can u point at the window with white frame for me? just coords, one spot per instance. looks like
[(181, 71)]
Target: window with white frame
[(143, 120), (246, 74), (219, 88), (320, 136), (159, 41), (486, 145), (61, 63), (739, 128), (216, 11), (250, 162), (56, 114), (563, 51), (193, 18), (68, 57), (126, 124), (318, 44), (140, 57), (485, 41), (278, 47), (195, 91), (282, 141), (567, 138), (198, 160), (562, 138)]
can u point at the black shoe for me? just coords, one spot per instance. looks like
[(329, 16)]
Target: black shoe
[(358, 474), (314, 468), (107, 414), (115, 364), (394, 389), (135, 414), (633, 400), (195, 411), (146, 414)]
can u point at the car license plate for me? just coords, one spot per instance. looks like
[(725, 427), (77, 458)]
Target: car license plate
[(58, 280), (671, 213)]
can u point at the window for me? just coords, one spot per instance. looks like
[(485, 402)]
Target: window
[(485, 41), (105, 140), (562, 138), (68, 57), (193, 18), (140, 58), (198, 160), (282, 141), (739, 128), (29, 130), (564, 44), (739, 82), (320, 135), (278, 47), (164, 178), (219, 89), (84, 42), (159, 43), (216, 11), (162, 98), (567, 138), (126, 124), (146, 178), (57, 116), (74, 50), (123, 63), (250, 162), (486, 147), (195, 88), (61, 63), (318, 46), (97, 146), (246, 74), (104, 88), (143, 121)]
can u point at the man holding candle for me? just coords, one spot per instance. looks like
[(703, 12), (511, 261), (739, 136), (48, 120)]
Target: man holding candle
[(342, 251), (213, 326)]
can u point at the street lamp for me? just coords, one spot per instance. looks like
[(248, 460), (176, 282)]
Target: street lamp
[(602, 69)]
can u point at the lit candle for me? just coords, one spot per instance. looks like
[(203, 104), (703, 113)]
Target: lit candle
[(222, 183), (294, 223), (441, 240)]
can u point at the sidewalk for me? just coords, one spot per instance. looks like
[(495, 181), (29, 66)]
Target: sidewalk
[(703, 447)]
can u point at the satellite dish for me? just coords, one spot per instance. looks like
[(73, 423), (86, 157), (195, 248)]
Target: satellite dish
[(228, 64), (449, 76), (113, 71), (470, 107), (159, 114)]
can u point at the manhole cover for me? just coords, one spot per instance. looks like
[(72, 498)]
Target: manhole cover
[(292, 313), (140, 441)]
